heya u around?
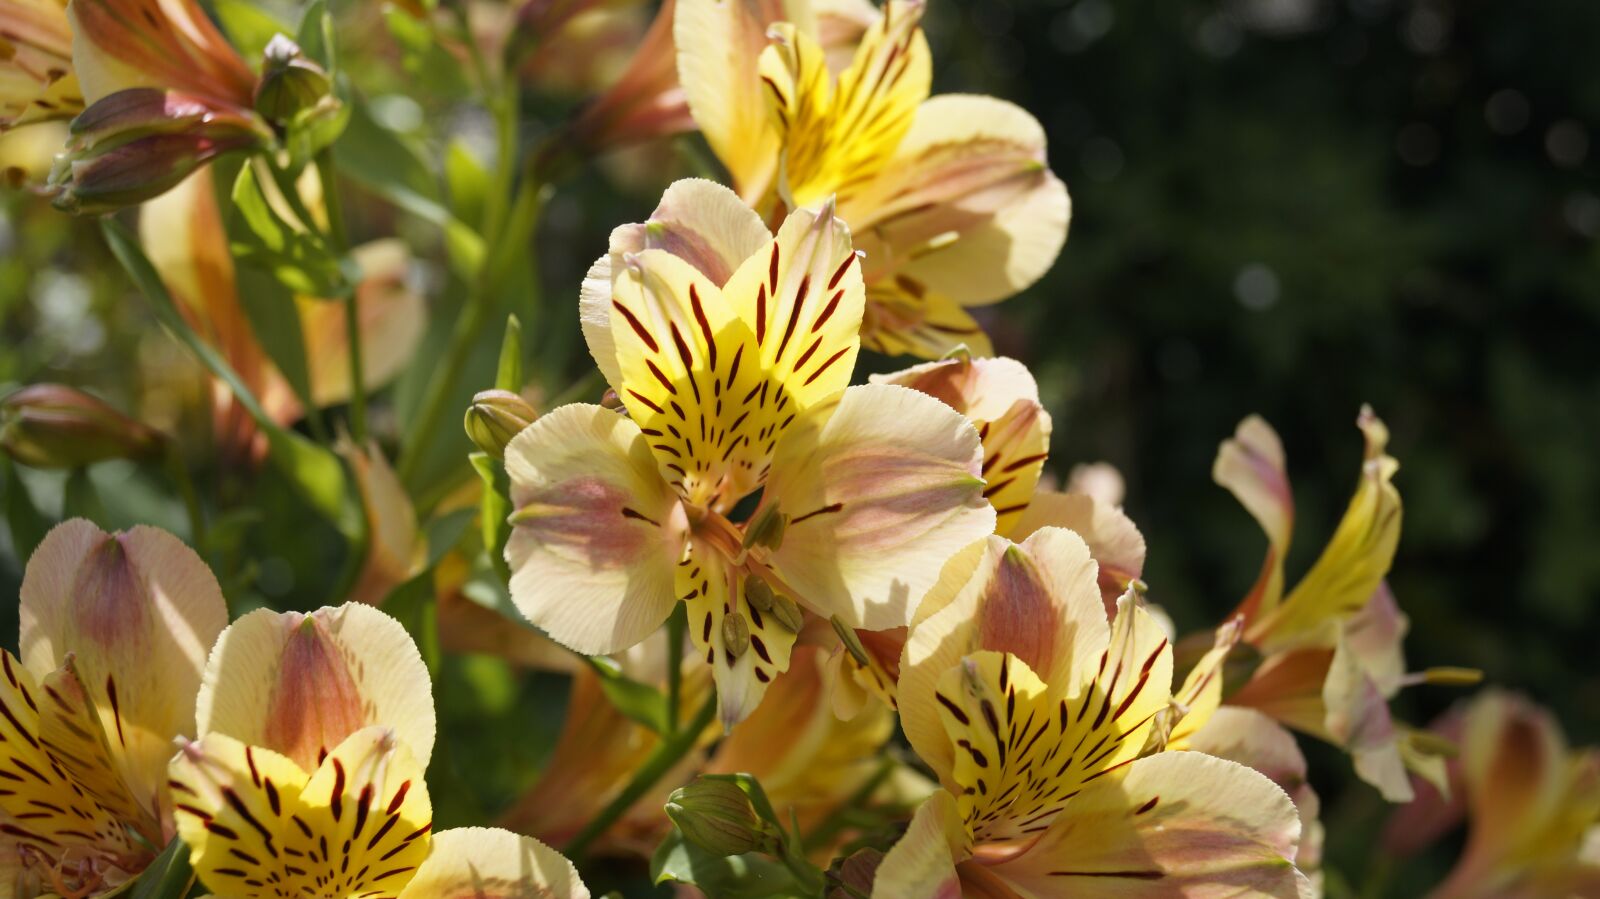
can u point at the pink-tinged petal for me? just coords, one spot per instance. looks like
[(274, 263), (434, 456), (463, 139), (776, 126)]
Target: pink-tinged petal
[(1036, 600), (1436, 809), (981, 389), (645, 102), (880, 490), (391, 318), (1177, 824), (113, 602), (1100, 480), (299, 684), (1252, 739), (1114, 540), (923, 862), (1252, 467), (596, 533), (170, 44), (719, 45), (1358, 719), (700, 222), (482, 862), (1353, 564), (1375, 635)]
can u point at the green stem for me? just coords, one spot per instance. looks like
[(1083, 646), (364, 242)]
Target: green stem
[(666, 756), (179, 472), (677, 624), (338, 237)]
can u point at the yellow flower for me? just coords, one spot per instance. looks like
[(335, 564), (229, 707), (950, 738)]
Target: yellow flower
[(36, 80), (357, 825), (1035, 712), (950, 198), (731, 349), (1332, 645), (88, 720)]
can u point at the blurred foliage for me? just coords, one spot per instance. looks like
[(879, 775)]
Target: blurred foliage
[(1287, 207)]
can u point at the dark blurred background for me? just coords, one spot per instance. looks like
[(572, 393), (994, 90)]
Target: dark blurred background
[(1288, 207)]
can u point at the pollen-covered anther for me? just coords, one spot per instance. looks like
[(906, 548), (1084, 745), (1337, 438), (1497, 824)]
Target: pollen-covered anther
[(767, 529), (735, 634), (787, 611)]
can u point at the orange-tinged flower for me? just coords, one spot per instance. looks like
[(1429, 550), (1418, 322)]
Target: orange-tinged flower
[(731, 349), (950, 198), (89, 721), (357, 824), (1035, 712)]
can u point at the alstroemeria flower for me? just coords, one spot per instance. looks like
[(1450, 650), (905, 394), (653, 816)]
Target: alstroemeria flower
[(36, 80), (1531, 801), (183, 234), (300, 683), (358, 824), (731, 349), (1332, 645), (950, 198), (166, 93), (88, 720), (1035, 711)]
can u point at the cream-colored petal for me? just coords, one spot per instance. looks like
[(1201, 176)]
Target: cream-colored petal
[(299, 684), (923, 862), (1251, 465), (1375, 634), (1177, 824), (981, 389), (1036, 600), (115, 602), (395, 547), (1357, 717), (905, 317), (1114, 540), (476, 862), (1252, 739), (879, 493), (719, 46), (597, 533), (1198, 699)]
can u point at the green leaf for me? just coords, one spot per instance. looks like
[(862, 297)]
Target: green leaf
[(27, 525), (637, 702), (467, 180), (168, 877), (248, 26), (750, 876), (292, 252), (315, 33), (315, 472), (493, 510), (509, 375)]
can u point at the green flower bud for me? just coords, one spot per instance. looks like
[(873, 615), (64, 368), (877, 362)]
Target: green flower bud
[(717, 816), (290, 82), (495, 417), (54, 426)]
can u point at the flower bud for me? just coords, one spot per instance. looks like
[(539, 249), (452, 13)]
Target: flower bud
[(495, 417), (717, 816), (290, 82), (53, 426)]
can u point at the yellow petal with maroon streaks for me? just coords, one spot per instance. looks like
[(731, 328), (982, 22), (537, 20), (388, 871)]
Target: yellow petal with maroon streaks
[(746, 647)]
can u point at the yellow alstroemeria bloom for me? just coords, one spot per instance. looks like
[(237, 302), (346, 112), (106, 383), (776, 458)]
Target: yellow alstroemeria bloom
[(183, 233), (88, 721), (731, 350), (358, 824), (1035, 711), (950, 197), (36, 80), (300, 683), (1332, 645), (1531, 802)]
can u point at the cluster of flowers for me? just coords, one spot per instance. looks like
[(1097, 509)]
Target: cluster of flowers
[(822, 556)]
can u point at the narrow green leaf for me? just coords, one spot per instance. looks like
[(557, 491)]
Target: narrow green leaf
[(509, 375), (312, 35), (749, 876), (80, 500), (259, 236), (637, 702), (315, 472), (168, 877), (248, 26), (493, 510), (275, 320)]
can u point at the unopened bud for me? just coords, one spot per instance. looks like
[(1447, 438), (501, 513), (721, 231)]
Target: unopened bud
[(757, 593), (495, 417), (290, 82), (54, 426), (787, 611), (735, 634), (767, 528), (717, 816), (610, 399)]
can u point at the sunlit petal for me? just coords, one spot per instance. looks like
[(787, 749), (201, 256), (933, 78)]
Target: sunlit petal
[(923, 862), (474, 862)]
